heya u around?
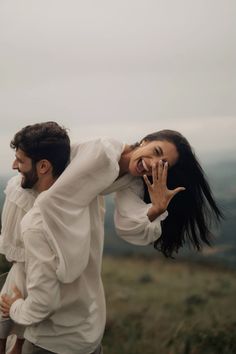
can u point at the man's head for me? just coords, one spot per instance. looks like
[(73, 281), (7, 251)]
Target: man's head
[(42, 154)]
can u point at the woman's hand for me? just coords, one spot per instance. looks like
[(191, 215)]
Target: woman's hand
[(160, 195), (7, 301)]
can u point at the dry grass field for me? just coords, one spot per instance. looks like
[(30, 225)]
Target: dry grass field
[(168, 307), (158, 306)]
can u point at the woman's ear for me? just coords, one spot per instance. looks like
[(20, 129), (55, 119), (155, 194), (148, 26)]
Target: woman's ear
[(143, 143)]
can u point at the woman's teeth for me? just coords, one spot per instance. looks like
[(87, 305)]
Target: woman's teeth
[(141, 166), (144, 165)]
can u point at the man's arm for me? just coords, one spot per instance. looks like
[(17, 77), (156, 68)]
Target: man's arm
[(42, 283)]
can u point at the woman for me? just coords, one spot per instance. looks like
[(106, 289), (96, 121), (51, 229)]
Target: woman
[(72, 212), (192, 212), (174, 181)]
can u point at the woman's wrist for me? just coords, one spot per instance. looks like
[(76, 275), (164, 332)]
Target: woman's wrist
[(154, 212)]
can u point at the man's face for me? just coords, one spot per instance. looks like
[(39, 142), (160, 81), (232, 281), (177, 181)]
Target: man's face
[(24, 165)]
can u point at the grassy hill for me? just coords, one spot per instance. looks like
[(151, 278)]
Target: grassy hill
[(159, 306), (168, 307)]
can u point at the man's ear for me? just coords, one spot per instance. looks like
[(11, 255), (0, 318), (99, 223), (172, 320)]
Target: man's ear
[(44, 166)]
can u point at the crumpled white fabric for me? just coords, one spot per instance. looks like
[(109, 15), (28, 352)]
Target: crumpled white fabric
[(17, 203), (64, 207)]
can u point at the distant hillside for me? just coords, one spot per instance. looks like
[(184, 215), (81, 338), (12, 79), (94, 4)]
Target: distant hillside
[(224, 243), (222, 177)]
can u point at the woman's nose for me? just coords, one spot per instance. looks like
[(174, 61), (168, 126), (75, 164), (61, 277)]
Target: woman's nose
[(156, 160), (15, 165)]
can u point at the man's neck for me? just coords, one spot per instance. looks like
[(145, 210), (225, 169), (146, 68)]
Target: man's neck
[(44, 183)]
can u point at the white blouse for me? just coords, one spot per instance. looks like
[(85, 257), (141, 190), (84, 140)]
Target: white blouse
[(131, 221)]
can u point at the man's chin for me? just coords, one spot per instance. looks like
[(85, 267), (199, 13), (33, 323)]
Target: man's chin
[(26, 184)]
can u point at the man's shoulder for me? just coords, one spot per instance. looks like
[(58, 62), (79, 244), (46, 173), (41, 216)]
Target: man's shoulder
[(13, 184)]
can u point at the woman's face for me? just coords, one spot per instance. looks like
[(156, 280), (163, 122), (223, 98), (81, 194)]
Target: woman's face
[(149, 153)]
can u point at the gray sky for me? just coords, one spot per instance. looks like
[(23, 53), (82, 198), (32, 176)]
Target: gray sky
[(120, 68)]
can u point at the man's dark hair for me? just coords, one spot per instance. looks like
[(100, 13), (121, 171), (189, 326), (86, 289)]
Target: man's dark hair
[(45, 140)]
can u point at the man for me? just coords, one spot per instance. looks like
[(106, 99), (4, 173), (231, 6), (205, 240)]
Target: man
[(61, 315), (42, 153)]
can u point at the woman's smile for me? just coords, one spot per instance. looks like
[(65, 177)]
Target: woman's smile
[(142, 166)]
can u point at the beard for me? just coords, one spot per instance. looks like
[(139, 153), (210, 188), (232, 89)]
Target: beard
[(29, 179)]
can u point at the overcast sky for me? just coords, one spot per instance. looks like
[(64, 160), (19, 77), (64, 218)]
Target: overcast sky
[(120, 68)]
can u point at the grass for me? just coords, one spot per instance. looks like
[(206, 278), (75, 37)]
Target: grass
[(168, 307)]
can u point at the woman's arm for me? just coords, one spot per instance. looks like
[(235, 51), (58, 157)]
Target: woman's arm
[(140, 223), (131, 217)]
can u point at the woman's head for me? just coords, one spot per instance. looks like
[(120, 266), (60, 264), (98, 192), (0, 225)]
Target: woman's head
[(166, 145), (181, 149), (190, 212), (149, 153)]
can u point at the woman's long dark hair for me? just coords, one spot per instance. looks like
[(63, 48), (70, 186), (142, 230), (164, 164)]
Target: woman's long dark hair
[(191, 212)]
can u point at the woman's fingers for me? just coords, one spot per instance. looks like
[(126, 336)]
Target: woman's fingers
[(165, 173), (146, 180), (4, 307), (160, 170), (154, 173), (4, 300)]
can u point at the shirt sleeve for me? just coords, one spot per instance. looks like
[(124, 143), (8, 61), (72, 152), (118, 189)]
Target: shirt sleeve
[(131, 221), (42, 284), (17, 203)]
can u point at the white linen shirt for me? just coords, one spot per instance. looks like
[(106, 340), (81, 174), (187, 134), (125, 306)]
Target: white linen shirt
[(66, 318)]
